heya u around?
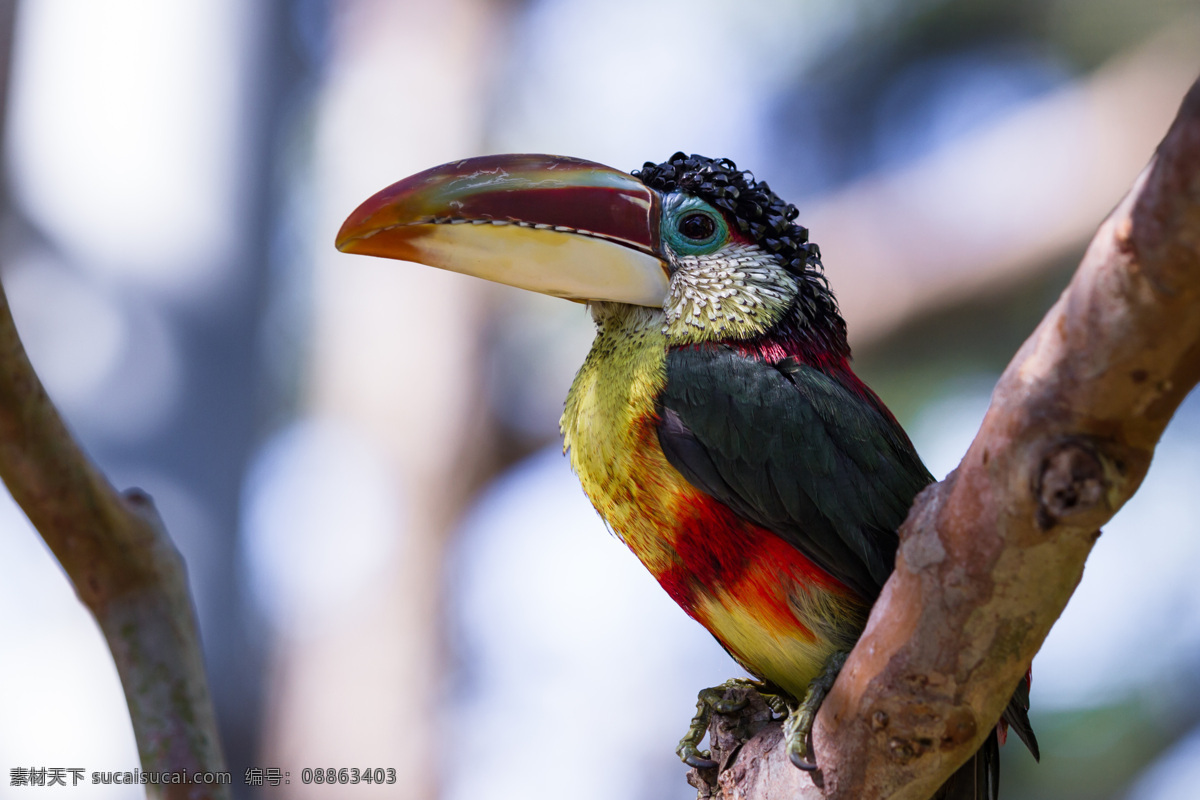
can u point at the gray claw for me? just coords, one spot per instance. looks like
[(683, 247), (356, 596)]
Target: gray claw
[(800, 763)]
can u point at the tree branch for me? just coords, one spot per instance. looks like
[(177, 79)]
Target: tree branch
[(118, 556), (990, 556)]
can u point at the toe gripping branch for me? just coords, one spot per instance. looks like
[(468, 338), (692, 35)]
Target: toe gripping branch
[(745, 707), (729, 698), (797, 729)]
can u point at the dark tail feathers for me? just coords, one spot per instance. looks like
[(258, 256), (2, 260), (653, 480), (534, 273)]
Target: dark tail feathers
[(979, 778)]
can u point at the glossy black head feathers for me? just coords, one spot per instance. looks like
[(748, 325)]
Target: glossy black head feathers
[(758, 213)]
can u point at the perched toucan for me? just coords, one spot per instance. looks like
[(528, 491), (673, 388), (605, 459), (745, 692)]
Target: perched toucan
[(716, 424)]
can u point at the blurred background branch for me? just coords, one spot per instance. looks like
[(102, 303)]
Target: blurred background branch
[(116, 553), (125, 570), (965, 221)]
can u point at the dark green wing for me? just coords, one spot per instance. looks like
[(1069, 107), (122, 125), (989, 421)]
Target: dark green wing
[(791, 449)]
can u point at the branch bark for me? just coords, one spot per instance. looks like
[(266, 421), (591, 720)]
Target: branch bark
[(990, 556), (125, 569)]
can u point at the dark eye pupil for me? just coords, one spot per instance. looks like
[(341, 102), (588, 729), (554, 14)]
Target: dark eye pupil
[(697, 226)]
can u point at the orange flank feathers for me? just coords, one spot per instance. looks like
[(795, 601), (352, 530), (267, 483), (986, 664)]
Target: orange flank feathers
[(722, 554), (760, 597)]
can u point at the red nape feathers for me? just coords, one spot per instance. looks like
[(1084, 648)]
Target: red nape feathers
[(831, 357)]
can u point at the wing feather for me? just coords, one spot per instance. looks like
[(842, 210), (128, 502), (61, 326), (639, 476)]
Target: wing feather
[(795, 451)]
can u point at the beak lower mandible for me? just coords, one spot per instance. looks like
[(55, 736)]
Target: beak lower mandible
[(550, 224)]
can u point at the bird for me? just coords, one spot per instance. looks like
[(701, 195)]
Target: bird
[(716, 424)]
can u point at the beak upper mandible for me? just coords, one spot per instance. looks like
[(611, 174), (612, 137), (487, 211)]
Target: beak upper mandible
[(551, 224)]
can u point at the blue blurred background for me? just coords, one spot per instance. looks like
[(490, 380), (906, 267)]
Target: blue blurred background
[(392, 564)]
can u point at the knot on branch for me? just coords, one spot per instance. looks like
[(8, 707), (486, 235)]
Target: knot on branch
[(1072, 480), (927, 719)]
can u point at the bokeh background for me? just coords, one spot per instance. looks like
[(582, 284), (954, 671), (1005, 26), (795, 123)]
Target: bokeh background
[(392, 564)]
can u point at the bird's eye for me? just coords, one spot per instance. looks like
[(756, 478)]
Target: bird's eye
[(697, 227), (691, 226)]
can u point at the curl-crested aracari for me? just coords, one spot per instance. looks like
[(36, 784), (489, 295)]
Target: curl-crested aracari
[(716, 424)]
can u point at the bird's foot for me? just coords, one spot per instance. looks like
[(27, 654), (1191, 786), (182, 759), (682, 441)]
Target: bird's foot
[(797, 729), (713, 699)]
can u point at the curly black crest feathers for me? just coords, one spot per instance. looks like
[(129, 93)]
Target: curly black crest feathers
[(757, 212)]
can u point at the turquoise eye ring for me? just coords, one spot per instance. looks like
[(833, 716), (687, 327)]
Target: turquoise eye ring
[(693, 227)]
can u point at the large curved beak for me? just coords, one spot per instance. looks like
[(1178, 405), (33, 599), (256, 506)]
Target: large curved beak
[(550, 224)]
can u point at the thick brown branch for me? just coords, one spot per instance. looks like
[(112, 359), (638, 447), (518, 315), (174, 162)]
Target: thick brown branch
[(123, 566), (990, 556)]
